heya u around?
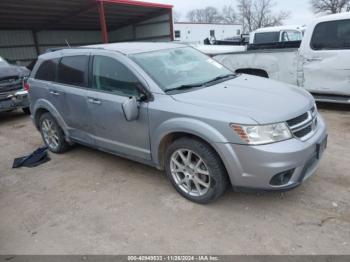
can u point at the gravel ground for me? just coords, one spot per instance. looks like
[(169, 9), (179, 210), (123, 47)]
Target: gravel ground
[(89, 202)]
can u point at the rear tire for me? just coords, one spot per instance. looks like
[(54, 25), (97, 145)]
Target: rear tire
[(195, 170), (52, 134)]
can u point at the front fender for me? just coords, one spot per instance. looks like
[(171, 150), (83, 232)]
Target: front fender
[(48, 106), (184, 125)]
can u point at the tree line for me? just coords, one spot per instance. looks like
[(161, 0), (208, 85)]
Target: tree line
[(254, 14)]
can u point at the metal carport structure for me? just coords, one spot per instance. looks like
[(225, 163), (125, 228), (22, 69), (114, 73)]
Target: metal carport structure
[(32, 26)]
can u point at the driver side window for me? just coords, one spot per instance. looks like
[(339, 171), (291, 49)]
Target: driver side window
[(110, 75)]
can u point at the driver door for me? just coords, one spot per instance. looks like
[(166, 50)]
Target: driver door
[(112, 83)]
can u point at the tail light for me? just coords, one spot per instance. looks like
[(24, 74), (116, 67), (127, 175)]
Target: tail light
[(26, 86)]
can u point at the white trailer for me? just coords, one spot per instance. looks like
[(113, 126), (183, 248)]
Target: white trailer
[(197, 32)]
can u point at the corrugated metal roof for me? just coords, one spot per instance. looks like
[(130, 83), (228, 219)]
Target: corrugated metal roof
[(74, 14)]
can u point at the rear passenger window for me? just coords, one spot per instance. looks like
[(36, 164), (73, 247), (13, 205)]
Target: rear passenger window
[(266, 38), (47, 70), (333, 35), (73, 70), (112, 76)]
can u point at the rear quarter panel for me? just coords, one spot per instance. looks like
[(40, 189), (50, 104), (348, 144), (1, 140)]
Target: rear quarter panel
[(279, 64)]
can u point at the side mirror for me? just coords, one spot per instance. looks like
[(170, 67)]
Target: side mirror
[(131, 109)]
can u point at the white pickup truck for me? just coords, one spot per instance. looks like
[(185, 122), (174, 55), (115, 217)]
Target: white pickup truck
[(321, 64), (277, 34)]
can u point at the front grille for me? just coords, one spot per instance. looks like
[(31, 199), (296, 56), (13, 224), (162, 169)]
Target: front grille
[(10, 84), (304, 126), (297, 120), (303, 132), (8, 79)]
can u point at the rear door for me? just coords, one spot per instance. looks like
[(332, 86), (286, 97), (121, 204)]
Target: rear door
[(72, 86), (44, 86), (113, 83), (326, 63)]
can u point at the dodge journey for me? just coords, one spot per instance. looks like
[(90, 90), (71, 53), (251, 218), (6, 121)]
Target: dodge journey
[(170, 106)]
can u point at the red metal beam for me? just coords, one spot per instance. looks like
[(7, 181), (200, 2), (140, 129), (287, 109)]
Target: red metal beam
[(137, 3), (101, 11)]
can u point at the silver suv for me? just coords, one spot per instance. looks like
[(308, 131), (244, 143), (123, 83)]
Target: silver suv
[(174, 108)]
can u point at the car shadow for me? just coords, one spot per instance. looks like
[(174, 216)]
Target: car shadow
[(6, 117), (333, 106), (139, 171)]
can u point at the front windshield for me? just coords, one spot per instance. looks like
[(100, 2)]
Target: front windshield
[(3, 62), (173, 68)]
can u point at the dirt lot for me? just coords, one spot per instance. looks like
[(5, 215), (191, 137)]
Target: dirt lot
[(93, 203)]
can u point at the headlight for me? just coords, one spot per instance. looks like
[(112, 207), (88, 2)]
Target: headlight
[(266, 134)]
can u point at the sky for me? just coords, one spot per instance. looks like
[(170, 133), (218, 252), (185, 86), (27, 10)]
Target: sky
[(300, 9)]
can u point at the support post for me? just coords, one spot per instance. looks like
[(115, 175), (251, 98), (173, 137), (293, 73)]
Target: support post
[(171, 19), (36, 44), (103, 24), (134, 32)]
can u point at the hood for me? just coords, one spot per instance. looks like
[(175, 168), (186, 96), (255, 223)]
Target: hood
[(13, 71), (263, 100)]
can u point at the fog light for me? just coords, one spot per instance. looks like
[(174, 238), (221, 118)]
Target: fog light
[(282, 178)]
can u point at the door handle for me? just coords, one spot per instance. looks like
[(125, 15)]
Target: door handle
[(94, 101), (55, 93), (313, 59)]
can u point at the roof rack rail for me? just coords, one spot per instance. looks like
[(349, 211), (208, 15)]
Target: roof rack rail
[(54, 49)]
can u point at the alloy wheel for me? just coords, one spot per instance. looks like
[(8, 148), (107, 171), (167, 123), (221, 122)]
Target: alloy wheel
[(190, 172), (50, 134)]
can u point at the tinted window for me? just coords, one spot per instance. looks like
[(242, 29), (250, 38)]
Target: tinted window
[(73, 70), (177, 34), (47, 70), (266, 38), (112, 76), (331, 35)]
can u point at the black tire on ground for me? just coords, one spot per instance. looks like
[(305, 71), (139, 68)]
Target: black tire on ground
[(218, 174), (63, 146), (26, 110)]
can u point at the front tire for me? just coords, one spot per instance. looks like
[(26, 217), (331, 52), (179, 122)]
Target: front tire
[(26, 110), (52, 134), (195, 170)]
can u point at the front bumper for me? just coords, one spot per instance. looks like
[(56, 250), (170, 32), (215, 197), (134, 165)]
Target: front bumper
[(14, 100), (253, 167)]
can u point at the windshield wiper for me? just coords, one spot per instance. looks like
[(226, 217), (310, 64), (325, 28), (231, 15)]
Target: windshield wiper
[(219, 78), (184, 87), (189, 86)]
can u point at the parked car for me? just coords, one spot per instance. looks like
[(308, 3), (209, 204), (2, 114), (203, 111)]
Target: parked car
[(321, 65), (12, 94), (174, 108)]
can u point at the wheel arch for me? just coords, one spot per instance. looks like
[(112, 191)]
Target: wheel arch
[(253, 71), (43, 106), (174, 129)]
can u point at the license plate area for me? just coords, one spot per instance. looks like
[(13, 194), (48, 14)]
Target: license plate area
[(321, 147)]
